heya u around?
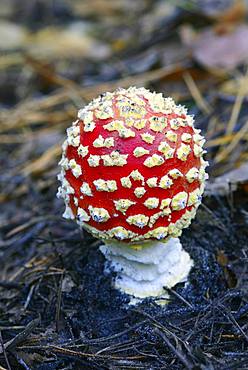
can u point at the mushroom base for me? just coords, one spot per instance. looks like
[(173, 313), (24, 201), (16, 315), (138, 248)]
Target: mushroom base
[(147, 270)]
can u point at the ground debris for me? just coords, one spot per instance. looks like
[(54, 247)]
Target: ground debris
[(58, 310), (63, 281)]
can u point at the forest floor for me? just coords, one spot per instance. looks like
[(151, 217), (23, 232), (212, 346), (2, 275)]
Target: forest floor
[(58, 310)]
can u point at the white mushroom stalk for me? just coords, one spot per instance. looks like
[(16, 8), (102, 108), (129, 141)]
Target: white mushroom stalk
[(145, 271), (133, 174)]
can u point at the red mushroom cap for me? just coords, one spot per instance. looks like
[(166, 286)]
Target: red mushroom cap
[(132, 167)]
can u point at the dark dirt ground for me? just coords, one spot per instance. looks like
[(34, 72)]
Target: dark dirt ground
[(58, 309), (62, 312)]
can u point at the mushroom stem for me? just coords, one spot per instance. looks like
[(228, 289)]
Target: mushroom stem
[(146, 270)]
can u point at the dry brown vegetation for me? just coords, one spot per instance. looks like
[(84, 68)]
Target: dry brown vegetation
[(57, 308)]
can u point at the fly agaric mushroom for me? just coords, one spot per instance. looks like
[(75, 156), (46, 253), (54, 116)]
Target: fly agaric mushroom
[(132, 174)]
